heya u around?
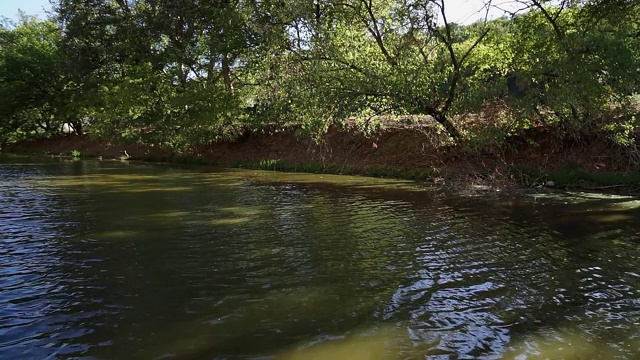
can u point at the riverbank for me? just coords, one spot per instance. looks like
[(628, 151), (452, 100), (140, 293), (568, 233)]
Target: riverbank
[(419, 153)]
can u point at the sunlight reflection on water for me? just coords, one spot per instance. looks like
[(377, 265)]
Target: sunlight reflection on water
[(110, 260)]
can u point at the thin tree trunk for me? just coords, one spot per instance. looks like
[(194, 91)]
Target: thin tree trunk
[(77, 127), (211, 70), (318, 12), (451, 129), (226, 72), (182, 75)]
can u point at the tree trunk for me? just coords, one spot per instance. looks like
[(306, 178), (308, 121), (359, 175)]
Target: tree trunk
[(318, 12), (226, 72), (451, 129), (211, 70), (77, 127), (182, 75)]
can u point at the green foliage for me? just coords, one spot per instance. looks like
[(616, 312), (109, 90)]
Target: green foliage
[(571, 71), (179, 73), (622, 132), (32, 83), (269, 164), (160, 73), (75, 153)]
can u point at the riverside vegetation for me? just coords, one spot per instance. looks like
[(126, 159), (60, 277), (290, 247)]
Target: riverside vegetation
[(547, 92)]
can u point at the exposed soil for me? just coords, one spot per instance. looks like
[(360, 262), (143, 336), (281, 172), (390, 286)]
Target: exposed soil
[(413, 152)]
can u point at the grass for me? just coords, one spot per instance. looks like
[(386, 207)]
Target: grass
[(572, 176), (416, 174)]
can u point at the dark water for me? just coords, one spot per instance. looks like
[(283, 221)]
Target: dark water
[(107, 260)]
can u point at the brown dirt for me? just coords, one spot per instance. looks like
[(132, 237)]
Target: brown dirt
[(400, 148)]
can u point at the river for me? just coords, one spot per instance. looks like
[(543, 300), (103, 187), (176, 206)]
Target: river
[(110, 260)]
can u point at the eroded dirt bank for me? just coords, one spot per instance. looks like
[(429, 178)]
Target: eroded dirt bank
[(413, 153)]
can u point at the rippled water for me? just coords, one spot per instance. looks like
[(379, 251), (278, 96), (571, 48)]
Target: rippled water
[(109, 260)]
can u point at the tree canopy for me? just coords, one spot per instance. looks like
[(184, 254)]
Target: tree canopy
[(183, 72)]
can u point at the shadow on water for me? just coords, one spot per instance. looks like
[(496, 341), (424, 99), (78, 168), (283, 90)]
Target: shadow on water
[(112, 260)]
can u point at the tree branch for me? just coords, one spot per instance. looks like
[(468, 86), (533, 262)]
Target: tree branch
[(374, 30), (553, 20)]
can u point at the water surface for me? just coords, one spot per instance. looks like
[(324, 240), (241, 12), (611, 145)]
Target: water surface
[(109, 260)]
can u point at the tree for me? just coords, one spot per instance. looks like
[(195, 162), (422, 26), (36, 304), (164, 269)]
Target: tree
[(160, 71), (573, 64), (31, 79), (177, 73), (362, 58)]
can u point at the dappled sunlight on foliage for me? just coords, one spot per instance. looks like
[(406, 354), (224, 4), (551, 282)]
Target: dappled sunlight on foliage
[(511, 99), (177, 76)]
